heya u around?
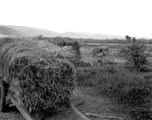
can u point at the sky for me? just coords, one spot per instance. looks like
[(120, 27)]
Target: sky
[(117, 17)]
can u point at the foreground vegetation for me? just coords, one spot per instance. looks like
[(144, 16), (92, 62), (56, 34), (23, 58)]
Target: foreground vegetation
[(128, 85), (132, 91)]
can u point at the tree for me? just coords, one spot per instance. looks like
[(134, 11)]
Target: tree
[(76, 48), (128, 38), (134, 40)]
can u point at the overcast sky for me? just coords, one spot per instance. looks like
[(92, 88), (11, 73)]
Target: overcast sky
[(118, 17)]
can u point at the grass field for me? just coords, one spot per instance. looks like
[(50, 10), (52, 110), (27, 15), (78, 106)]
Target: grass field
[(86, 50)]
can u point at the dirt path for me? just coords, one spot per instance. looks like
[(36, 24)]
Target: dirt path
[(97, 105)]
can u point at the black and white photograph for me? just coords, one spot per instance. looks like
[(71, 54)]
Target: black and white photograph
[(75, 59)]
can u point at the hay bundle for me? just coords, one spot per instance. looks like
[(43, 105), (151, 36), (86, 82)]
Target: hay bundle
[(38, 79), (66, 51), (102, 51)]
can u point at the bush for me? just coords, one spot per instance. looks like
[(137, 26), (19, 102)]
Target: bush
[(142, 113), (135, 56)]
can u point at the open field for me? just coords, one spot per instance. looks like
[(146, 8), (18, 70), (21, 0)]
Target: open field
[(86, 50)]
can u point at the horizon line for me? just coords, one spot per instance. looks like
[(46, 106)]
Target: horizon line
[(88, 33)]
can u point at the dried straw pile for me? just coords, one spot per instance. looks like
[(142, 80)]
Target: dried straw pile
[(38, 79)]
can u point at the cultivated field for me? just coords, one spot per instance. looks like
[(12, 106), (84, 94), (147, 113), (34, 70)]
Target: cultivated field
[(86, 50)]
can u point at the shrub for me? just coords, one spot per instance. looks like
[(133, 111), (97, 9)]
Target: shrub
[(135, 56), (142, 113)]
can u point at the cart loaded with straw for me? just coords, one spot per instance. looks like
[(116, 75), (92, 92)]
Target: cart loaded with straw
[(34, 79)]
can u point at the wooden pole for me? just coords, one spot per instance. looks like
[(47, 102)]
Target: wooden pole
[(83, 117), (101, 116), (21, 110), (2, 96)]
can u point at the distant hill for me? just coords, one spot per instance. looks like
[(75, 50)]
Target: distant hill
[(11, 30), (94, 36), (7, 31), (29, 31)]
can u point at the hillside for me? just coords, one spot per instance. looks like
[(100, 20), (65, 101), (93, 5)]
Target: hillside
[(7, 31), (29, 31)]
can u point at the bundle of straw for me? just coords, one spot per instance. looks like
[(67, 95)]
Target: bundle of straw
[(66, 51), (38, 79)]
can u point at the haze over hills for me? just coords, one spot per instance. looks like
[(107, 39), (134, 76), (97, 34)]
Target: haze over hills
[(7, 31), (29, 31), (11, 30), (89, 35)]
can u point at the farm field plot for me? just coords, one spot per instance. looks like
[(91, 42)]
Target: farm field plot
[(86, 51)]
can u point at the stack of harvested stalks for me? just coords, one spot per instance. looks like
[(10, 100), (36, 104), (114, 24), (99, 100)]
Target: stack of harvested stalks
[(65, 51), (38, 79)]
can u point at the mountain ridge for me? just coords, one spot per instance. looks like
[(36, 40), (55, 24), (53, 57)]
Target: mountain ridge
[(30, 31)]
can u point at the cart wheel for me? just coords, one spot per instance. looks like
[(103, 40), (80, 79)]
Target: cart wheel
[(2, 96)]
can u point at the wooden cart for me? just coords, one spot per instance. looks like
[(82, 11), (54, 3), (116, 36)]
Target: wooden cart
[(3, 92), (5, 95)]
